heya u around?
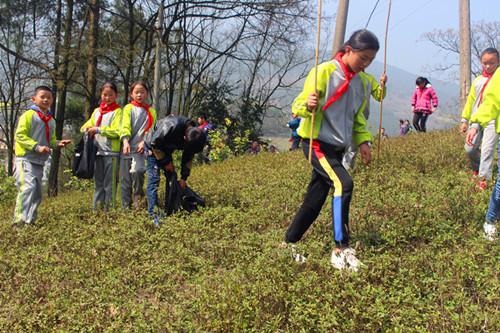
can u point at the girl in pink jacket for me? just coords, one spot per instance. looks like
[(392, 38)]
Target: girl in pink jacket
[(423, 103)]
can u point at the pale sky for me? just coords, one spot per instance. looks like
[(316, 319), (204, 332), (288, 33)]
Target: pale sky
[(409, 20)]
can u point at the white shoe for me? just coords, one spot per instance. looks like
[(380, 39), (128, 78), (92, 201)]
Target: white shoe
[(292, 248), (353, 262), (338, 260), (296, 255), (490, 231)]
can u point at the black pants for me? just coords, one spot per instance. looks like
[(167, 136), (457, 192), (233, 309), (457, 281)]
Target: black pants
[(327, 173), (419, 120)]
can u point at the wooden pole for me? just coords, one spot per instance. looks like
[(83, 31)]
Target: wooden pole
[(316, 60), (382, 84), (465, 51)]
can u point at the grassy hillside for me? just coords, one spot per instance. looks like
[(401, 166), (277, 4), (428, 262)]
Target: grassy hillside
[(416, 222)]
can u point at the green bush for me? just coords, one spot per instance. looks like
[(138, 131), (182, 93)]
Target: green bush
[(415, 219)]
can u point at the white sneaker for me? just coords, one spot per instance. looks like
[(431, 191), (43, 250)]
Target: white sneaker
[(338, 259), (490, 231), (296, 255), (292, 248), (353, 262)]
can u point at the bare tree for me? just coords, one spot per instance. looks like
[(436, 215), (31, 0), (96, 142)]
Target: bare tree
[(483, 35)]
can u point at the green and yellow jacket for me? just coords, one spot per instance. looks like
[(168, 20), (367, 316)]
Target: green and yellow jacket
[(490, 106), (30, 134), (108, 137), (343, 121)]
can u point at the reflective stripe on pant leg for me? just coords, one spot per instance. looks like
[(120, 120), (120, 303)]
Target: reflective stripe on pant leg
[(337, 193)]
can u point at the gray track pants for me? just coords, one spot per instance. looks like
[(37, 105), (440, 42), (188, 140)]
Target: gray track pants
[(481, 154), (132, 171), (29, 183), (105, 180)]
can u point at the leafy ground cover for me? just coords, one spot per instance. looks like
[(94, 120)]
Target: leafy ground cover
[(416, 224)]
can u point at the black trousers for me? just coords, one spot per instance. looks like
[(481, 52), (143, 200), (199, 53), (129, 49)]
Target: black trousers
[(419, 120), (327, 173)]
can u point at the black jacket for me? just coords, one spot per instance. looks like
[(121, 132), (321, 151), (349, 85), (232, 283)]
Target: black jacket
[(168, 136)]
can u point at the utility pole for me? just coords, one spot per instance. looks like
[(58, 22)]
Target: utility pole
[(340, 25), (465, 52), (157, 74)]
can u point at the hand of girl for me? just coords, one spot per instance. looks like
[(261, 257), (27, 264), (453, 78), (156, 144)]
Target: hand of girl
[(312, 102), (92, 131), (126, 147), (463, 127), (63, 143), (140, 147), (433, 110), (470, 136), (383, 79), (366, 153), (43, 149)]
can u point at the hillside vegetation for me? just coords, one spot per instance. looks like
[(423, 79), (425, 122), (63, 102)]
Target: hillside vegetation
[(416, 221)]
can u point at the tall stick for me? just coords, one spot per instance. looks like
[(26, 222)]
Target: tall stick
[(316, 59), (382, 84)]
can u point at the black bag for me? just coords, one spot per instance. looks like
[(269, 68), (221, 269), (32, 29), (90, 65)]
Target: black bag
[(84, 158), (177, 198)]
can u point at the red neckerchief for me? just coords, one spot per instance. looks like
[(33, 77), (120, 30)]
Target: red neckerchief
[(488, 75), (46, 117), (150, 117), (345, 85), (104, 108)]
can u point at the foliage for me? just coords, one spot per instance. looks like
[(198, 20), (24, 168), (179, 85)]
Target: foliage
[(77, 184), (8, 188), (225, 141), (415, 219)]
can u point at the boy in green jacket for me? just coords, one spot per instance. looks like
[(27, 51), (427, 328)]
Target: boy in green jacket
[(35, 136)]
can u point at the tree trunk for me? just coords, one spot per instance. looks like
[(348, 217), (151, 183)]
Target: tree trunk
[(93, 41), (62, 80)]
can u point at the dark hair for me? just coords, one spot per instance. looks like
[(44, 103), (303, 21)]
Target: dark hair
[(490, 50), (195, 139), (139, 83), (422, 80), (44, 88), (109, 85), (362, 40), (401, 121), (203, 116)]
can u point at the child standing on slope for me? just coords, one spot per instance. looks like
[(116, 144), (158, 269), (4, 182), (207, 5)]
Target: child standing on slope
[(489, 110), (339, 121), (423, 103), (138, 118), (482, 151), (35, 136), (104, 125)]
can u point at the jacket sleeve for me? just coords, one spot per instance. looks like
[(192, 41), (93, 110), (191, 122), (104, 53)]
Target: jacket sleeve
[(113, 130), (299, 105), (377, 92), (360, 133), (414, 98), (471, 99), (22, 132), (187, 158), (89, 123), (154, 114), (126, 126), (490, 106), (434, 97), (53, 139)]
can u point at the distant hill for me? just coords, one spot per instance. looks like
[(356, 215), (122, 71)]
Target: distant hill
[(396, 105)]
